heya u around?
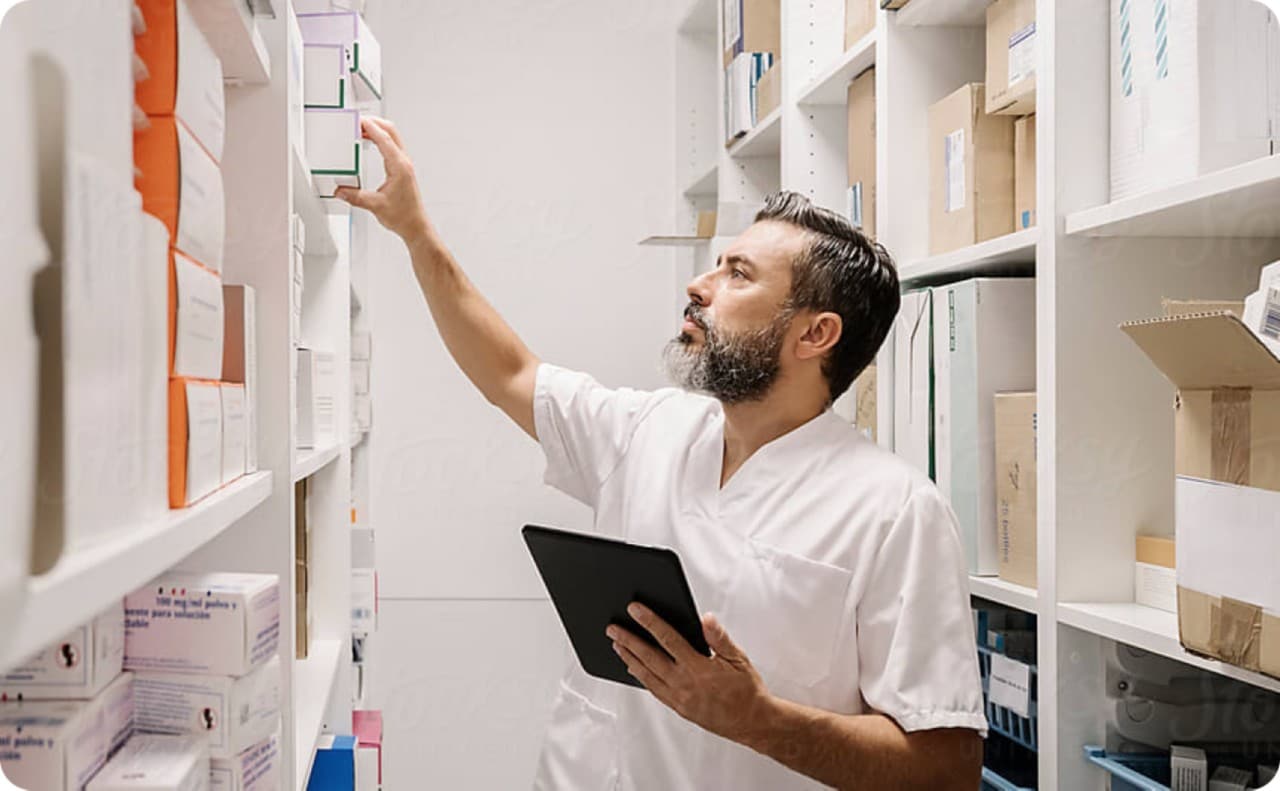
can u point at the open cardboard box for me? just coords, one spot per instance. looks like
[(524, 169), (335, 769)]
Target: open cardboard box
[(1227, 462)]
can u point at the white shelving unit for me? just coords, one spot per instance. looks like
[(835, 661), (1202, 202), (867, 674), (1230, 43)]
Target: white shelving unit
[(309, 461), (313, 688), (1104, 429)]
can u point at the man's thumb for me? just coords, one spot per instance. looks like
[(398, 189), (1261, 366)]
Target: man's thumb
[(718, 639)]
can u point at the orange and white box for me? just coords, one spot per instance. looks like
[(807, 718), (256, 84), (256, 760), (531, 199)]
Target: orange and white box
[(196, 320), (182, 186), (184, 74), (235, 432), (195, 440)]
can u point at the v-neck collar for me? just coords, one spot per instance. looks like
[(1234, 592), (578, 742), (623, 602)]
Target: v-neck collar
[(794, 437)]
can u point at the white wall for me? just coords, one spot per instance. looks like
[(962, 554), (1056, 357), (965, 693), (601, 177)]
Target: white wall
[(543, 136)]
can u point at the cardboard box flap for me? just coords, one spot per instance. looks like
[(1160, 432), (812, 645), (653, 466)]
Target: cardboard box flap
[(1205, 351)]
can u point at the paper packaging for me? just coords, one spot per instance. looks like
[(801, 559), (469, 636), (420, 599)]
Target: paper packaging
[(1015, 473), (59, 745), (913, 380), (970, 172), (229, 714), (751, 26), (862, 151), (182, 186), (1024, 173), (196, 320), (317, 382), (704, 229), (325, 81), (1184, 307), (195, 441), (166, 629), (77, 667), (362, 51), (240, 359), (1190, 768), (859, 20), (235, 432), (254, 769), (1155, 583), (769, 91), (1226, 778), (984, 335), (156, 763), (1227, 462), (333, 148), (1190, 97), (366, 725), (185, 75), (1011, 57), (364, 601)]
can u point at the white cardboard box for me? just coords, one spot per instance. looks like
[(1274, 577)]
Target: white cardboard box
[(254, 769), (235, 432), (201, 104), (219, 624), (202, 211), (77, 667), (334, 148), (1227, 540), (156, 763), (363, 548), (59, 745), (364, 601), (199, 323), (366, 768), (362, 50), (240, 359), (984, 337), (1190, 97), (317, 398), (913, 390), (231, 714), (203, 440), (360, 376), (1155, 586), (325, 85)]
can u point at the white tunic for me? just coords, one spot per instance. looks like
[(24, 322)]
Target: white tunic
[(833, 564)]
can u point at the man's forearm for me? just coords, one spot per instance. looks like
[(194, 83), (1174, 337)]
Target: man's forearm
[(866, 751), (485, 347)]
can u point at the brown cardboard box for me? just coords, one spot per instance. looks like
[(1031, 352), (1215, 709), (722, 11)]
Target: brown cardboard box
[(1015, 447), (761, 29), (1155, 582), (1024, 173), (1186, 307), (769, 91), (893, 5), (706, 229), (1011, 57), (970, 172), (1156, 550), (862, 151), (864, 393), (859, 20)]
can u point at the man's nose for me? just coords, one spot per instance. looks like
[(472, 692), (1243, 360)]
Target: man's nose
[(699, 290)]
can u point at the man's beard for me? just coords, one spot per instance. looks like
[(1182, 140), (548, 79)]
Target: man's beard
[(731, 367)]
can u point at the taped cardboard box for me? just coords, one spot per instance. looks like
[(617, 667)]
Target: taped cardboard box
[(970, 172), (1024, 173), (1011, 57), (862, 151), (77, 667), (1016, 487), (859, 20), (751, 26)]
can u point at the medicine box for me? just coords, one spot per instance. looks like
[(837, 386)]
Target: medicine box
[(366, 724), (156, 763), (364, 601), (230, 714), (182, 186), (1155, 579), (254, 769), (76, 667), (217, 624), (1011, 57), (184, 74), (60, 745), (240, 359), (333, 148), (325, 81), (317, 398), (195, 440), (970, 159), (196, 320), (1189, 769), (363, 54), (334, 766), (235, 432)]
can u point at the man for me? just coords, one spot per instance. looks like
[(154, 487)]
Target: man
[(843, 645)]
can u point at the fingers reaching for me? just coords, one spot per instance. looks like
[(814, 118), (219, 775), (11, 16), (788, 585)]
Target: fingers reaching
[(392, 153)]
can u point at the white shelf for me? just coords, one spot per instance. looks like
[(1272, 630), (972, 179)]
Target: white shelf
[(233, 33), (308, 462), (83, 583), (313, 679), (674, 241), (944, 13), (1151, 630), (700, 19), (357, 437), (704, 183), (992, 255), (1006, 593), (832, 86), (763, 141), (306, 202), (1242, 201)]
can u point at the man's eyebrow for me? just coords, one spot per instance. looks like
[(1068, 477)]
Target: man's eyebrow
[(738, 258)]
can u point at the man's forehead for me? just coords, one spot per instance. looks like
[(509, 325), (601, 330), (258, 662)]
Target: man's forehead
[(767, 245)]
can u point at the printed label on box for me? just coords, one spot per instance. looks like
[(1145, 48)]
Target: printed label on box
[(202, 216), (197, 348), (1011, 685), (953, 167), (1022, 54)]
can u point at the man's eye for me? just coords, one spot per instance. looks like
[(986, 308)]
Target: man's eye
[(738, 273)]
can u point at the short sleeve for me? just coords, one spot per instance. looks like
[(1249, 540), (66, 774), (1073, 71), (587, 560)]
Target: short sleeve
[(916, 645), (584, 428)]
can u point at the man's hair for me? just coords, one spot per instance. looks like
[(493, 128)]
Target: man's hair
[(840, 271)]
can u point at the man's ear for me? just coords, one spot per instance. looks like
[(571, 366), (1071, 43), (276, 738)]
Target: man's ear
[(820, 335)]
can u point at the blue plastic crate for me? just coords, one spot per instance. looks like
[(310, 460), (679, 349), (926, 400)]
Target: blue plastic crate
[(1004, 721), (994, 782), (1132, 772)]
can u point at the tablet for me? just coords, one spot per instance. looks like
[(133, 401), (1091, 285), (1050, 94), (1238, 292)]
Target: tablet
[(591, 580)]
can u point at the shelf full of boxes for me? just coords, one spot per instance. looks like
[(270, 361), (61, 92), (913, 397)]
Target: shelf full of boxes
[(946, 128), (160, 421)]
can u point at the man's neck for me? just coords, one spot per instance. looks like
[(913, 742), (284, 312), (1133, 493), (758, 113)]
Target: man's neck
[(751, 425)]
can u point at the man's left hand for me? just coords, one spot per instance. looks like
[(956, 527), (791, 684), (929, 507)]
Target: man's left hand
[(722, 693)]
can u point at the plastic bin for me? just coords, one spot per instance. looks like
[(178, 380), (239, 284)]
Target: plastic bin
[(1132, 772), (994, 782), (1002, 720)]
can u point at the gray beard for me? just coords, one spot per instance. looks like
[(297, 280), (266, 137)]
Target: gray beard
[(733, 369)]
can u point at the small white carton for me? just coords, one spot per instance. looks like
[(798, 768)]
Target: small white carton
[(156, 763), (60, 745), (364, 601), (363, 53), (199, 320), (334, 148), (231, 714), (317, 398), (77, 667), (325, 84), (218, 624), (235, 432), (254, 769)]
